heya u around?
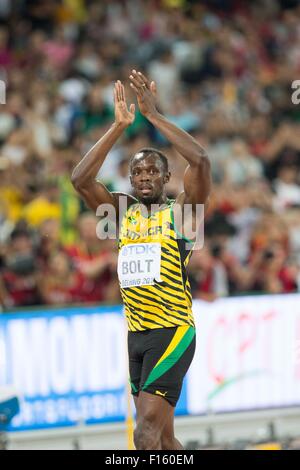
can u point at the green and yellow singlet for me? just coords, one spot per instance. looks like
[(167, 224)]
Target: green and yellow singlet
[(152, 270)]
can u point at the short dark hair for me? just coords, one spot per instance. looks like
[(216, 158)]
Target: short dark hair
[(19, 233), (147, 151)]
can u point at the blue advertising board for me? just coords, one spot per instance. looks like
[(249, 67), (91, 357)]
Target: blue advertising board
[(69, 366)]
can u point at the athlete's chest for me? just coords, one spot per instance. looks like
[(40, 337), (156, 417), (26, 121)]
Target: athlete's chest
[(138, 228)]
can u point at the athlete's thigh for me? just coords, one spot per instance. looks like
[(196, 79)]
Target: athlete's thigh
[(135, 361), (136, 404), (167, 360)]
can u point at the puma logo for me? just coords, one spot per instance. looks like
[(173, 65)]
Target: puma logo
[(157, 392)]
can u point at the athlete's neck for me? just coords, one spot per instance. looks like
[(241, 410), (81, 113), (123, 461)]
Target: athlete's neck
[(161, 200)]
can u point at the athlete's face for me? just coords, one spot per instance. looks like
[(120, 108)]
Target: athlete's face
[(148, 178)]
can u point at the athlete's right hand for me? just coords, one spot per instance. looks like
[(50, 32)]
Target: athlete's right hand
[(123, 116)]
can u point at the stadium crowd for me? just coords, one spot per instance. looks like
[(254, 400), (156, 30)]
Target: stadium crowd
[(224, 71)]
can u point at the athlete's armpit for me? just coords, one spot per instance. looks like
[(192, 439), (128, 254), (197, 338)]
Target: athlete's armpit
[(188, 220), (96, 194)]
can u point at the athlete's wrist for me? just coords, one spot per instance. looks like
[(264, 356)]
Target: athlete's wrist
[(153, 116), (119, 125)]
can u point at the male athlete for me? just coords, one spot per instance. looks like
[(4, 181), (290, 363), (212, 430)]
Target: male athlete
[(153, 255)]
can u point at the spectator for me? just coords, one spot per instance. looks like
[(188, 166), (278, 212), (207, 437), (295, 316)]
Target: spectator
[(60, 283), (208, 276), (44, 206), (19, 276), (223, 71), (286, 186), (92, 258)]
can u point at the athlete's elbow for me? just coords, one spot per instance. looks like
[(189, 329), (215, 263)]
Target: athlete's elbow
[(78, 181), (202, 163), (74, 180)]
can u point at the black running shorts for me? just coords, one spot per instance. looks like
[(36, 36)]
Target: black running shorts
[(159, 360)]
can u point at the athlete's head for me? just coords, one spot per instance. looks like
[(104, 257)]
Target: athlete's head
[(149, 172)]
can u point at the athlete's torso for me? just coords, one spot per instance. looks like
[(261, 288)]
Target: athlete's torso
[(152, 270)]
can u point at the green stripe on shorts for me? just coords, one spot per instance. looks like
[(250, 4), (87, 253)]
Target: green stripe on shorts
[(170, 360)]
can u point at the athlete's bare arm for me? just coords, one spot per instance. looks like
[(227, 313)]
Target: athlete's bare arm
[(83, 177), (197, 177)]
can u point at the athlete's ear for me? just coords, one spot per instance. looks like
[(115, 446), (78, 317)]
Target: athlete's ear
[(167, 177), (130, 178)]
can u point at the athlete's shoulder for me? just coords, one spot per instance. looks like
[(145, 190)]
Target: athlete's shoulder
[(127, 199)]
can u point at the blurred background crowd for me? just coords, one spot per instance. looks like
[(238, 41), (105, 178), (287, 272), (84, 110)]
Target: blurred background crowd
[(223, 70)]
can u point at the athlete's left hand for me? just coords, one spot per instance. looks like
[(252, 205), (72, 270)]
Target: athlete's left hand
[(145, 92)]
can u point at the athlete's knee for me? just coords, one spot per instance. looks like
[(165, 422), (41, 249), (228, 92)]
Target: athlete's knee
[(166, 442), (146, 439), (170, 443), (147, 435)]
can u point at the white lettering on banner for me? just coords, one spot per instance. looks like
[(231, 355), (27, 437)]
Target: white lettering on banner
[(246, 358), (28, 356), (63, 354), (61, 362), (83, 347), (51, 411), (26, 415), (139, 264), (244, 354), (38, 408), (3, 361), (113, 352), (89, 352)]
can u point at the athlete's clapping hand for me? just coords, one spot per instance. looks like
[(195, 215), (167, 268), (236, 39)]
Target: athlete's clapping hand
[(123, 115), (145, 92)]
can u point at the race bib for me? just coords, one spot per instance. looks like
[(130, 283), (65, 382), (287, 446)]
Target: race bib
[(139, 264)]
